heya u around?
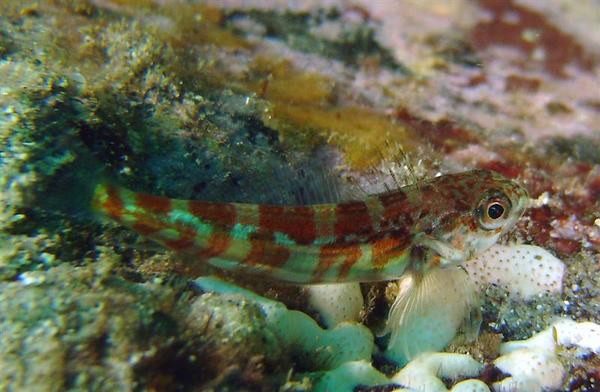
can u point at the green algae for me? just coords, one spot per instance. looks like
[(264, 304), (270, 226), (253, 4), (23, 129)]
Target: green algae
[(355, 43), (582, 148)]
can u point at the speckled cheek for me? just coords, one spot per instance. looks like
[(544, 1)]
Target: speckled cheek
[(458, 239), (472, 224)]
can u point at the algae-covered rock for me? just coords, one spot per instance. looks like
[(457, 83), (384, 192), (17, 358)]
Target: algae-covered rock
[(242, 342), (45, 170), (38, 116), (79, 328), (87, 329)]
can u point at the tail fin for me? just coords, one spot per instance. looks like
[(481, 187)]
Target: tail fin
[(115, 202), (428, 311), (103, 201)]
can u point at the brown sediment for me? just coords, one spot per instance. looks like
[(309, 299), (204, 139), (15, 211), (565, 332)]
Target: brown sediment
[(302, 107), (516, 83)]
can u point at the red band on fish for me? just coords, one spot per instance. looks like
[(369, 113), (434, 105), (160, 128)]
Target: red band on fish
[(397, 208), (327, 257), (148, 227), (113, 204), (352, 219), (185, 241), (389, 248), (296, 222), (352, 254), (267, 253), (218, 214), (217, 245), (154, 204), (331, 254)]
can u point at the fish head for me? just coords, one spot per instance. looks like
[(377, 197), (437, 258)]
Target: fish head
[(467, 213)]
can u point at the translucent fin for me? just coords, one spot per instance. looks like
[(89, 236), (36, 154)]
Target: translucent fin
[(320, 180), (473, 316), (428, 311), (396, 169)]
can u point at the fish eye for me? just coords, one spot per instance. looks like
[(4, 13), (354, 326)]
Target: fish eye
[(493, 211)]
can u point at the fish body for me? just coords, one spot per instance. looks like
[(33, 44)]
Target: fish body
[(435, 223)]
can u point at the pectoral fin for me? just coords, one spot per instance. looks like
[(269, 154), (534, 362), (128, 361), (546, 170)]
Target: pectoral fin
[(428, 311)]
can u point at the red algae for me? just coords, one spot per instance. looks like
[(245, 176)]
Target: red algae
[(444, 135), (507, 169), (538, 224), (509, 26), (565, 217)]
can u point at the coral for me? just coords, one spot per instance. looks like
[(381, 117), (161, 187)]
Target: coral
[(530, 370), (314, 347), (425, 373), (350, 375), (533, 365), (336, 302), (524, 270), (585, 336), (529, 365), (559, 48), (345, 37)]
